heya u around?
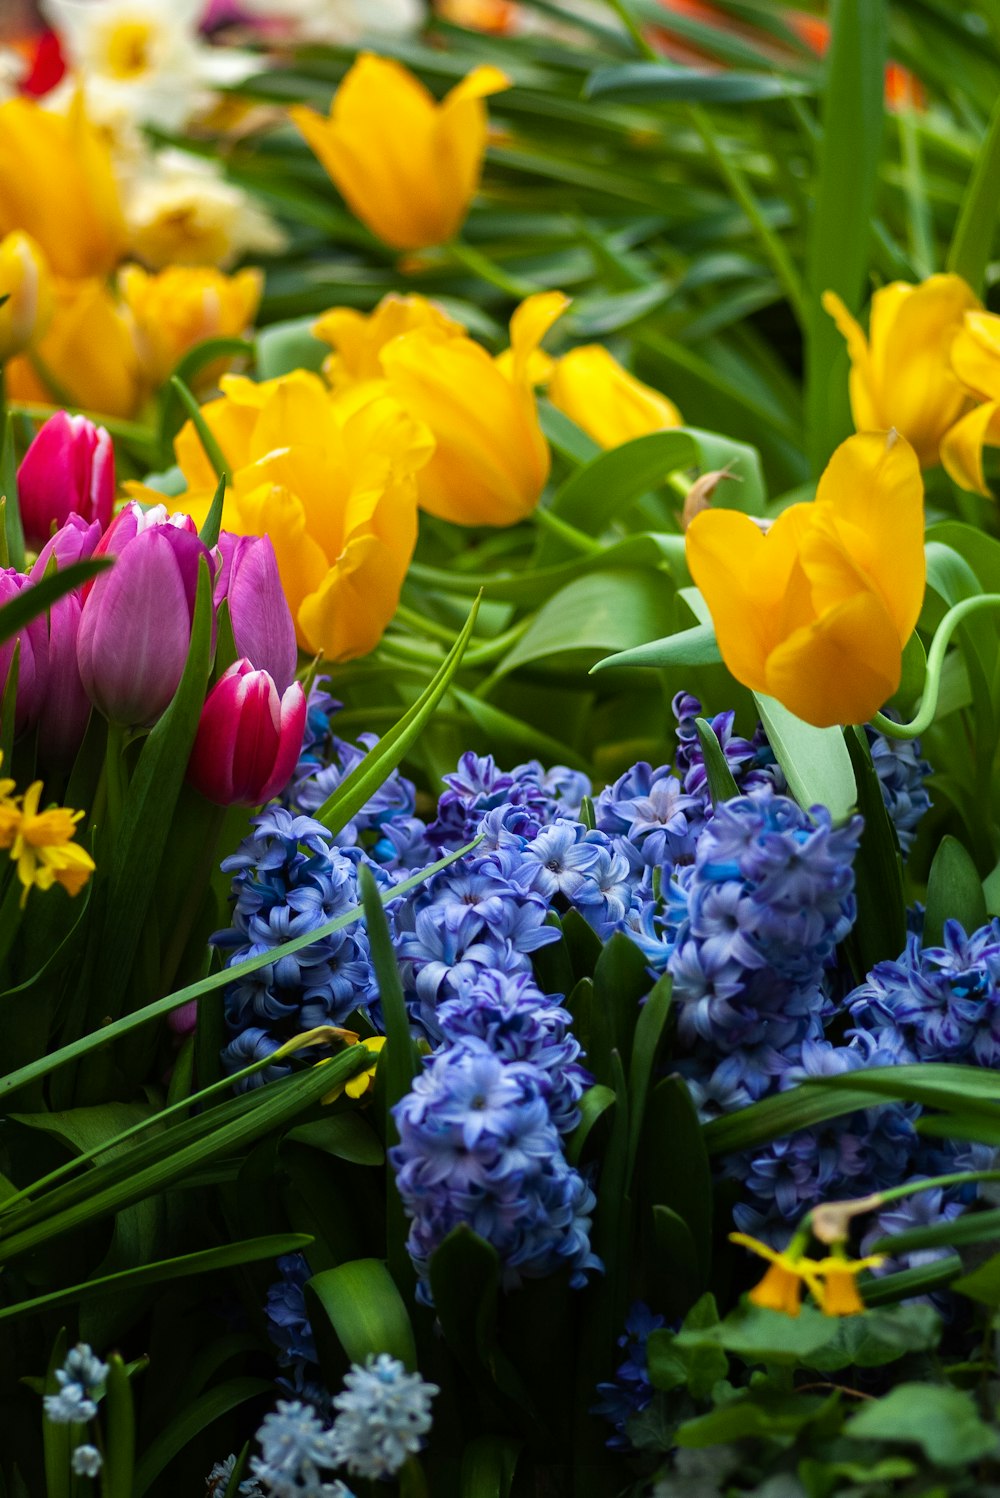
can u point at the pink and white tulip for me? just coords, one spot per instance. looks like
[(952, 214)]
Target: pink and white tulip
[(249, 738)]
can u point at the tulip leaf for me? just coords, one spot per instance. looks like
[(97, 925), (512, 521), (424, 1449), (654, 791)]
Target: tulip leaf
[(721, 785), (209, 533), (488, 1465), (593, 1105), (598, 612), (653, 82), (185, 373), (119, 1414), (286, 346), (954, 892), (365, 1310), (879, 932), (39, 597), (360, 785), (504, 728), (13, 530), (815, 761), (689, 647), (969, 252), (603, 489), (213, 451), (194, 1418)]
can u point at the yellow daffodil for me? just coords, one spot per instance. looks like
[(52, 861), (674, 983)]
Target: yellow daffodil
[(333, 480), (358, 339), (816, 611), (611, 405), (406, 165), (788, 1272), (491, 458), (975, 358), (181, 307), (43, 848), (10, 811), (57, 183), (27, 285), (838, 1292), (363, 1081), (89, 352), (901, 374)]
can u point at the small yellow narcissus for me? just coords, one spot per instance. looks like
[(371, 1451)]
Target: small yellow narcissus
[(901, 374), (838, 1278), (27, 286), (816, 611), (781, 1287), (41, 842), (183, 306), (590, 387), (406, 165)]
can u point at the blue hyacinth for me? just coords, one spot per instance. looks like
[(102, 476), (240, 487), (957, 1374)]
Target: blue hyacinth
[(901, 775), (296, 1447), (288, 1323), (631, 1390), (383, 1415)]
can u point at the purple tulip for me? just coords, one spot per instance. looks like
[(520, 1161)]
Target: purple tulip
[(69, 469), (262, 622), (249, 738), (135, 628), (33, 664), (65, 709)]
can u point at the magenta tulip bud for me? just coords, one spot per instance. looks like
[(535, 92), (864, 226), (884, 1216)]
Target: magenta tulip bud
[(135, 629), (249, 738), (33, 662), (73, 542), (262, 621), (69, 469)]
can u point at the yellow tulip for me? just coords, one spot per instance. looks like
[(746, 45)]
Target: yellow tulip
[(901, 374), (181, 307), (88, 351), (358, 340), (27, 286), (611, 405), (406, 165), (491, 459), (975, 358), (332, 480), (816, 611), (57, 183)]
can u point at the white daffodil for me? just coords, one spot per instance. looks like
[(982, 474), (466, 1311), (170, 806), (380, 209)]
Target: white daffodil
[(143, 60), (180, 210), (345, 22)]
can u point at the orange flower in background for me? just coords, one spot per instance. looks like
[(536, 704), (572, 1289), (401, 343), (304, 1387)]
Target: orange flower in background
[(817, 610), (406, 165), (901, 373), (57, 183), (493, 17)]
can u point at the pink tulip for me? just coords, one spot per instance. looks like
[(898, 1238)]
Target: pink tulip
[(262, 621), (65, 709), (69, 469), (33, 662), (135, 628), (249, 738)]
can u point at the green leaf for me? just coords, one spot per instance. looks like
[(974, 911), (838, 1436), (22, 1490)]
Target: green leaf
[(189, 367), (954, 892), (13, 531), (602, 490), (816, 763), (689, 647), (759, 1412), (357, 788), (941, 1420), (119, 1465), (362, 1304), (759, 1335), (56, 1438), (679, 1178), (286, 346), (651, 82), (209, 532), (646, 1042), (40, 597), (213, 451), (488, 1466), (843, 203), (969, 252), (593, 1105), (678, 1274), (721, 785), (194, 1418), (879, 932), (598, 613)]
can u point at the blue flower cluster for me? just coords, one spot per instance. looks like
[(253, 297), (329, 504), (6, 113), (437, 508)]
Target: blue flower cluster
[(901, 773), (296, 1447), (81, 1380), (630, 1391), (383, 1415), (288, 1323)]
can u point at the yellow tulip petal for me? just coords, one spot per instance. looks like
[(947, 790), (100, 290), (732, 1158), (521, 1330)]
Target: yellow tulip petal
[(529, 325), (479, 84), (923, 397), (962, 446), (605, 400), (724, 549), (841, 668), (864, 404), (873, 495), (345, 617), (975, 354)]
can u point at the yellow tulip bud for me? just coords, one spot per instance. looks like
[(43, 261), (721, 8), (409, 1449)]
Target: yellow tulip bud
[(27, 285), (406, 165), (89, 351), (816, 611), (358, 340), (611, 405), (491, 459), (181, 307), (901, 374), (57, 183)]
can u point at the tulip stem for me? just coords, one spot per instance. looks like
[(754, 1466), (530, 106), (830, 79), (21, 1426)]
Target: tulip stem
[(935, 661), (487, 270), (115, 779), (578, 539)]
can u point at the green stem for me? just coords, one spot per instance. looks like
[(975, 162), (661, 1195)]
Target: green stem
[(919, 221), (935, 661), (10, 916), (578, 539), (200, 878), (116, 779), (634, 30), (487, 270)]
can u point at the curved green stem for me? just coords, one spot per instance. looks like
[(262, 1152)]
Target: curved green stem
[(935, 661), (471, 259)]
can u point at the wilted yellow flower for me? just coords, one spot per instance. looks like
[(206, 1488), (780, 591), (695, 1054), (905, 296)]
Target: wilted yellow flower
[(901, 374), (975, 358), (611, 405), (181, 307), (358, 338), (89, 351), (57, 183), (491, 458), (43, 849), (27, 285), (332, 480), (781, 1287), (816, 611), (837, 1290), (406, 165), (182, 211)]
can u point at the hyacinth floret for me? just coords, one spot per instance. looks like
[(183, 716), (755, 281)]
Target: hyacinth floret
[(631, 1390), (650, 810), (510, 1015), (296, 1446), (220, 1478), (902, 774), (751, 762), (478, 1146), (80, 1379), (383, 1415), (288, 1323), (86, 1461)]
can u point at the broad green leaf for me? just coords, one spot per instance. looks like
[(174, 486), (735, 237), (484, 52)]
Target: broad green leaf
[(943, 1421), (983, 1284), (119, 1423), (601, 491), (761, 1412), (593, 1105), (969, 252), (689, 647), (13, 531), (194, 1418), (721, 785), (816, 763), (209, 532), (213, 451), (488, 1465), (596, 614), (504, 728), (366, 1311), (651, 82), (879, 932), (649, 1030), (189, 367), (954, 892), (286, 346), (674, 1169)]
